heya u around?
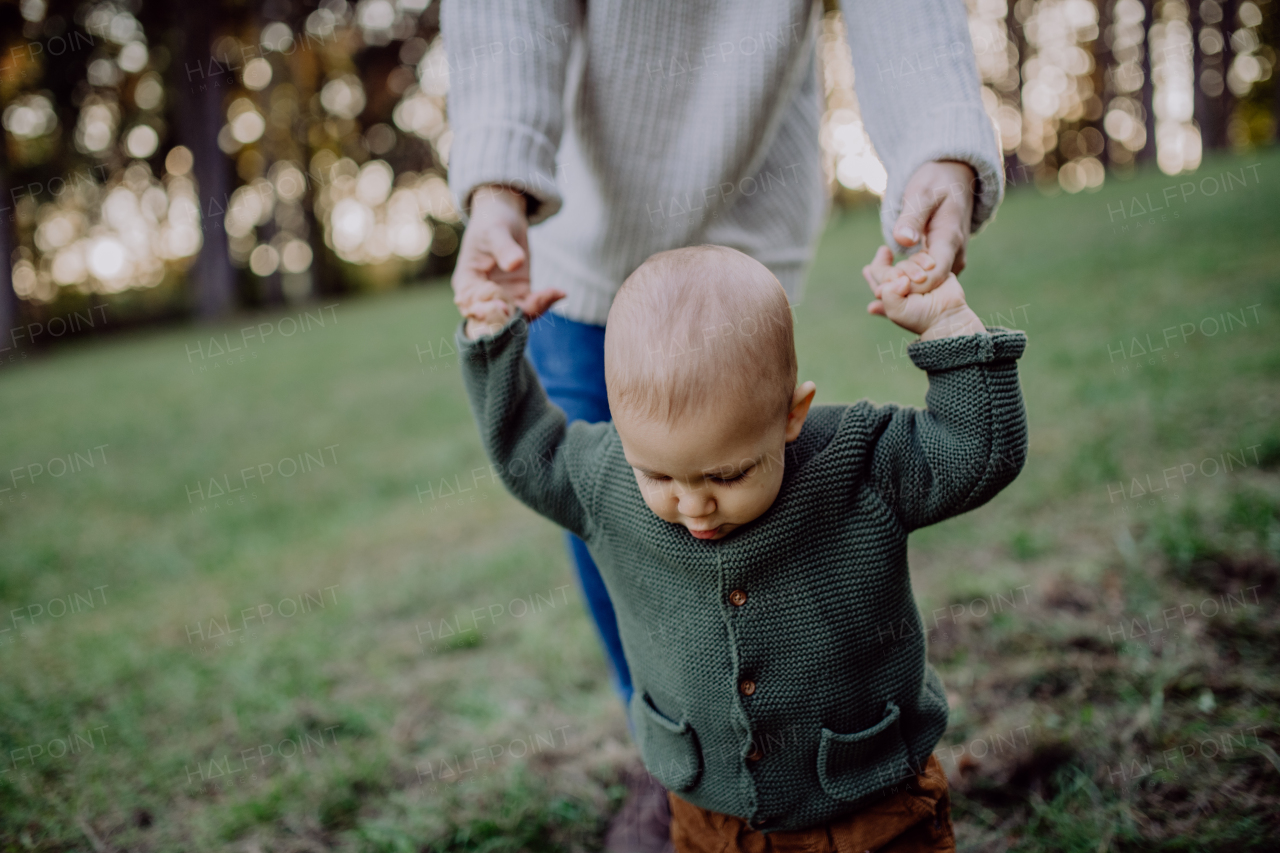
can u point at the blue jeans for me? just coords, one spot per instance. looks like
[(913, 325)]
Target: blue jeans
[(568, 357)]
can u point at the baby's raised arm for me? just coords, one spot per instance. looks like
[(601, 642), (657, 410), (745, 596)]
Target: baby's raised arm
[(539, 459), (971, 439)]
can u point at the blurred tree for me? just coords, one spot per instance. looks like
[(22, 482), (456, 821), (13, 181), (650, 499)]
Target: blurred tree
[(10, 37), (1014, 17), (1148, 150), (314, 143), (1211, 22), (1270, 33), (1224, 101), (1103, 72), (202, 81), (1251, 73), (8, 299)]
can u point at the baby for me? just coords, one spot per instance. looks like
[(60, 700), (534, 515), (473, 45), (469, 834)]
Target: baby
[(752, 540)]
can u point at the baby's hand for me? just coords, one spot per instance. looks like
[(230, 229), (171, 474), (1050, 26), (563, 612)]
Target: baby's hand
[(488, 306), (938, 313)]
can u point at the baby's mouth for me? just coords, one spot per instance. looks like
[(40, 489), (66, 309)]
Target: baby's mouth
[(705, 534)]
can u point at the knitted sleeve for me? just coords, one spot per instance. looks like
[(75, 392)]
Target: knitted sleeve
[(967, 444), (507, 66), (920, 96), (544, 464)]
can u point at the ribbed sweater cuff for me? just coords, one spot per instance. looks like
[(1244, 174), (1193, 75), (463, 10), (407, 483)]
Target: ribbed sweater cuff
[(962, 132), (510, 154), (996, 344)]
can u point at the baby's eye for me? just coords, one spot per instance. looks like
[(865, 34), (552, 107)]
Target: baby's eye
[(659, 478), (729, 481)]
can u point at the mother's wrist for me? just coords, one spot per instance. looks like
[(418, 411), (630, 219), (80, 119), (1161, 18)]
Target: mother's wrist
[(499, 194)]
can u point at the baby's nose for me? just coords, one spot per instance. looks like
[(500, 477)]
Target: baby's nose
[(696, 504)]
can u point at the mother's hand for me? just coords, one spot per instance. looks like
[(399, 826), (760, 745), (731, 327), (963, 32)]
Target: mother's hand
[(492, 272), (937, 206)]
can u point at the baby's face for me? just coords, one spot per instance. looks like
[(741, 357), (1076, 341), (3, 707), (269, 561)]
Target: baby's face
[(711, 472)]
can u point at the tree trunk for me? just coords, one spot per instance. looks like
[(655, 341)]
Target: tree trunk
[(8, 299), (1148, 151), (1226, 102), (1015, 171), (203, 81), (1102, 60), (1199, 100)]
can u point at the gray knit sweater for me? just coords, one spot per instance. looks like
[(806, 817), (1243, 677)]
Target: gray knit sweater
[(652, 125), (780, 672)]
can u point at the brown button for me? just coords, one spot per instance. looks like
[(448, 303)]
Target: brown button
[(738, 598), (747, 686), (755, 754)]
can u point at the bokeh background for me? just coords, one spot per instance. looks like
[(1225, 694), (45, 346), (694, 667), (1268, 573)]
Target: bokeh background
[(257, 591)]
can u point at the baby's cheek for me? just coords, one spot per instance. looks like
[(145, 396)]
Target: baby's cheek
[(745, 506), (655, 499), (657, 506), (764, 497)]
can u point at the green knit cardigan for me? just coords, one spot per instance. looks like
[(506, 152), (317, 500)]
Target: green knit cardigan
[(780, 672)]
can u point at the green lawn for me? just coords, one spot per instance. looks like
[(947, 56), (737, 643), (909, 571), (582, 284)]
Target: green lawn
[(369, 645)]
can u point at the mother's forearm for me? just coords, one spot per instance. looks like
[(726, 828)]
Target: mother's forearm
[(920, 95), (507, 66)]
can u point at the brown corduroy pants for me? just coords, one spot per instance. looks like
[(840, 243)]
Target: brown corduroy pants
[(913, 820)]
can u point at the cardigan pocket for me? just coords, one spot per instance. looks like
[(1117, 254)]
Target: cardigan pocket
[(670, 749), (851, 766)]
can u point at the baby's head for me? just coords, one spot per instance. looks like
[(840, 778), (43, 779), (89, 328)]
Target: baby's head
[(700, 366)]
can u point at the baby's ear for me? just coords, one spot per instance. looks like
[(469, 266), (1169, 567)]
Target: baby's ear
[(801, 400)]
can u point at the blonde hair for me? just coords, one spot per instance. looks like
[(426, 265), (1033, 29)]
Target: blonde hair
[(699, 326)]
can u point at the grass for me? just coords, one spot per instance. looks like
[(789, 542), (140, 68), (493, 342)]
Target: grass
[(413, 668)]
